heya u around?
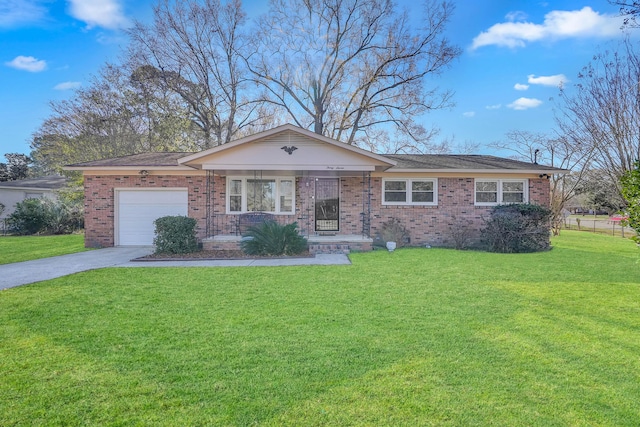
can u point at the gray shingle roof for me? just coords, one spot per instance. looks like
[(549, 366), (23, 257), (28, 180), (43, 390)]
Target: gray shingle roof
[(404, 161), (52, 182), (140, 160), (461, 162)]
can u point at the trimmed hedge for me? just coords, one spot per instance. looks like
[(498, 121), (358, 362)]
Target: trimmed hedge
[(175, 235), (517, 228)]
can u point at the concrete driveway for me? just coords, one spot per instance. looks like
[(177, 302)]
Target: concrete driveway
[(22, 273)]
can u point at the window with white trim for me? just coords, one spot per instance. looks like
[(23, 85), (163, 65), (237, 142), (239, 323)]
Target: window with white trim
[(491, 192), (274, 195), (409, 191)]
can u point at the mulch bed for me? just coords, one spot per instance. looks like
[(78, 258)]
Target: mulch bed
[(214, 255)]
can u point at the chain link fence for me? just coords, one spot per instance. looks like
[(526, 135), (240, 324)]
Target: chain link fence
[(598, 225)]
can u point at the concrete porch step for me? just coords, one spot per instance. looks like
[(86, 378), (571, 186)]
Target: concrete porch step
[(338, 244), (325, 248)]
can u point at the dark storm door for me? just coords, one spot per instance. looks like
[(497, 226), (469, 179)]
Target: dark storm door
[(327, 204)]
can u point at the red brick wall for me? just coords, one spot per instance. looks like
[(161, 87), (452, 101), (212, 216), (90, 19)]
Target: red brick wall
[(540, 192), (436, 225), (99, 202), (353, 201), (432, 225)]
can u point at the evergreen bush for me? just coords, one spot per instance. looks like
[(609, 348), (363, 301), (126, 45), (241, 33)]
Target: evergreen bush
[(31, 216), (175, 235), (271, 238), (517, 228), (64, 217), (631, 192), (45, 216)]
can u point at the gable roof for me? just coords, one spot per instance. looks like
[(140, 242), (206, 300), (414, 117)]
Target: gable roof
[(463, 163), (287, 129), (50, 182)]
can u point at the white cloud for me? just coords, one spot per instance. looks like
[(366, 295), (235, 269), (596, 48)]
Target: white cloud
[(524, 103), (494, 107), (99, 13), (469, 113), (516, 15), (18, 12), (557, 24), (110, 38), (520, 86), (27, 63), (67, 85), (556, 80)]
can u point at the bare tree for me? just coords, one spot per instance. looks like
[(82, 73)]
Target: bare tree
[(345, 68), (113, 116), (193, 48), (630, 9), (601, 113), (599, 192), (559, 152)]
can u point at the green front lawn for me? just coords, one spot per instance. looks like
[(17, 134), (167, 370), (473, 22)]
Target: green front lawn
[(26, 248), (414, 337)]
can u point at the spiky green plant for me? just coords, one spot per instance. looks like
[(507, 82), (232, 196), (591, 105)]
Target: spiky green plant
[(272, 238)]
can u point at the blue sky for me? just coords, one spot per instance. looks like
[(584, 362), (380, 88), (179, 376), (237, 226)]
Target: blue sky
[(515, 53)]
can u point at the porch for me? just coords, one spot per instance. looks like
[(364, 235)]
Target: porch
[(332, 210)]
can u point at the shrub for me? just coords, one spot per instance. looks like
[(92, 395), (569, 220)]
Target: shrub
[(272, 238), (175, 235), (462, 234), (631, 191), (45, 216), (64, 218), (392, 231), (31, 216), (517, 228)]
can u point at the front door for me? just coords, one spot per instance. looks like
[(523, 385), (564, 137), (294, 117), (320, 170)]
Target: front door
[(327, 204)]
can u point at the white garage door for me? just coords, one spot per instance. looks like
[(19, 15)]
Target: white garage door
[(137, 209)]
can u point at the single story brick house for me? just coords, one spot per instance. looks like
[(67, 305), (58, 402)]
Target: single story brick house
[(339, 195)]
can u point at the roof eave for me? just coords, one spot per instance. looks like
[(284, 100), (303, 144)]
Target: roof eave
[(497, 171), (128, 168), (7, 187)]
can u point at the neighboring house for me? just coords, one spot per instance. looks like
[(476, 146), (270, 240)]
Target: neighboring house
[(13, 192), (339, 195)]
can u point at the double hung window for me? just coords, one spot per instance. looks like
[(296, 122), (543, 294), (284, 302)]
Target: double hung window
[(410, 191), (498, 191), (274, 195)]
